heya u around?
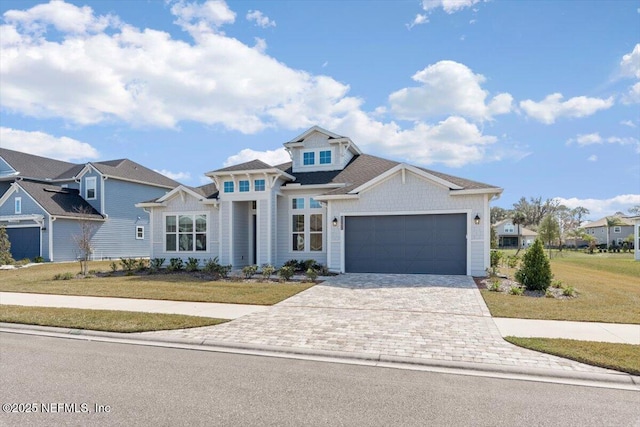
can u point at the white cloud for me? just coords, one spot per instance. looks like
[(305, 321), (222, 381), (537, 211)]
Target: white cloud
[(144, 77), (202, 18), (43, 144), (587, 139), (260, 19), (271, 157), (600, 208), (595, 138), (630, 64), (421, 18), (177, 176), (592, 158), (448, 87), (628, 123), (449, 6), (552, 107), (633, 96), (64, 17)]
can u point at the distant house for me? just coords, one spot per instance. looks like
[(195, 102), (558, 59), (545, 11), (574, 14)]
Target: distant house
[(616, 234), (332, 203), (512, 235), (42, 202)]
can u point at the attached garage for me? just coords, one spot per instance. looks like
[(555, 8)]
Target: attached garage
[(25, 242), (420, 244)]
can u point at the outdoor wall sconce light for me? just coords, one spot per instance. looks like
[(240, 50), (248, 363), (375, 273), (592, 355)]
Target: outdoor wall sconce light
[(335, 222), (477, 219)]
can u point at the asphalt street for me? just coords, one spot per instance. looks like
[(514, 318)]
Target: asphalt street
[(75, 382)]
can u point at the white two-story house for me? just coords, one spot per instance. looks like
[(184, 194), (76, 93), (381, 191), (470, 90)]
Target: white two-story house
[(347, 210)]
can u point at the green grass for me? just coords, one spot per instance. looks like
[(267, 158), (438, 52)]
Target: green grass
[(608, 287), (175, 287), (101, 320), (620, 357)]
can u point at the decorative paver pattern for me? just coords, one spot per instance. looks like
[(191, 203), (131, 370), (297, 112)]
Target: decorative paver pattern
[(417, 316)]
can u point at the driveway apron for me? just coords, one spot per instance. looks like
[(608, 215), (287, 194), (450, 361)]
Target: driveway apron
[(426, 317)]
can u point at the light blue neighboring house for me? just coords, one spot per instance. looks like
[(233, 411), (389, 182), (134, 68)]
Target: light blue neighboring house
[(43, 203), (345, 209)]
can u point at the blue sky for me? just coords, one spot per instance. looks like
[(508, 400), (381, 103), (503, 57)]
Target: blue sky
[(541, 98)]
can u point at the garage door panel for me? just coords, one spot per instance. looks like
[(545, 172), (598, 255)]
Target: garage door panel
[(428, 244), (25, 242)]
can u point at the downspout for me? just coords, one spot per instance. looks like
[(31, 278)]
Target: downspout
[(51, 219)]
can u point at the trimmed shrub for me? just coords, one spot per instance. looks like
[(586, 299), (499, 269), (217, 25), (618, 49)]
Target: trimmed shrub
[(249, 271), (535, 272), (176, 264), (193, 264), (311, 274), (267, 271), (286, 272)]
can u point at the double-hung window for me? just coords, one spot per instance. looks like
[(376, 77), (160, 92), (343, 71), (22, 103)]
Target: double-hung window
[(617, 229), (139, 232), (90, 187), (186, 233)]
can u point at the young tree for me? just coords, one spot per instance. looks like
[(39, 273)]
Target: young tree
[(5, 248), (83, 239), (549, 230), (535, 272), (518, 218)]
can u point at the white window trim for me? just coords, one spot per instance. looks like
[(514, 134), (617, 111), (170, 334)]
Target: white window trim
[(617, 229), (509, 228), (87, 180), (264, 181), (224, 186), (193, 214), (141, 228), (307, 212), (316, 157), (240, 188), (17, 205)]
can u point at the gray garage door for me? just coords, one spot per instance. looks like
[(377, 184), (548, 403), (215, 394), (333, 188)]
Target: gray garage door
[(428, 244), (25, 242)]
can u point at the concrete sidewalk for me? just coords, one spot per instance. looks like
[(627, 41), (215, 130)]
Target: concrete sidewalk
[(586, 331), (204, 309)]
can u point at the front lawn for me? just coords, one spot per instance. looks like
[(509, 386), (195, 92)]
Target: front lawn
[(101, 320), (165, 286), (621, 357), (608, 287)]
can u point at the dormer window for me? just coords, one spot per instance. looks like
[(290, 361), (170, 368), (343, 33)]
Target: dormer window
[(325, 157), (90, 187), (309, 158)]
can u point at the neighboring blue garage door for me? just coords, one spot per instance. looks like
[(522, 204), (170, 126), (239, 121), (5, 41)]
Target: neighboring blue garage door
[(427, 244), (25, 242)]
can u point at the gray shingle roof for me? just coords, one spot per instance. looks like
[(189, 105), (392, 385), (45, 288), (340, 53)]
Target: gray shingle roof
[(45, 169), (31, 166), (208, 191), (129, 170), (60, 201), (246, 166)]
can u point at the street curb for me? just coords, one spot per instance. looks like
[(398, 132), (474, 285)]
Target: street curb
[(612, 377)]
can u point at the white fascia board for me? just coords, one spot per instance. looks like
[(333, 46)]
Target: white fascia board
[(314, 129), (396, 169), (28, 217), (12, 189), (295, 186), (86, 169), (337, 197), (78, 218), (135, 181), (177, 190), (149, 205), (497, 191), (251, 172)]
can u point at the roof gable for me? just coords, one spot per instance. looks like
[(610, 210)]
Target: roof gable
[(58, 201)]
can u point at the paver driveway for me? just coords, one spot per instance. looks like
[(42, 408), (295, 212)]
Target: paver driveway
[(415, 316)]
